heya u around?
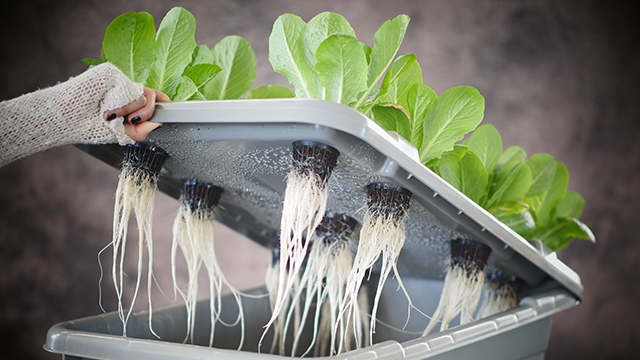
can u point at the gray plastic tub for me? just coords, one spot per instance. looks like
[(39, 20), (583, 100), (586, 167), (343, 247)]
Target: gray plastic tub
[(244, 146), (520, 333)]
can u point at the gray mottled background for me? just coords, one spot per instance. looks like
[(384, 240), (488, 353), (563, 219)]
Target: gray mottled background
[(558, 77)]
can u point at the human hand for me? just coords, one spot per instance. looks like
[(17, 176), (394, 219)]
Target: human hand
[(137, 113)]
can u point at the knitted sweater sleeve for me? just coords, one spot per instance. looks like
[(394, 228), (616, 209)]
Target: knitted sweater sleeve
[(68, 113)]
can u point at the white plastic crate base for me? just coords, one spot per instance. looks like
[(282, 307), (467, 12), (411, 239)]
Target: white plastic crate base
[(521, 333)]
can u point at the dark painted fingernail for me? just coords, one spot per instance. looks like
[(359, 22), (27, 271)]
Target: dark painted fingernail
[(111, 116), (136, 119)]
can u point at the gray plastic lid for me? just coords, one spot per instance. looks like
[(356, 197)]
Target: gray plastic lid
[(244, 146)]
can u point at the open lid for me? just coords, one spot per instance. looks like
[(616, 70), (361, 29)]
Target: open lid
[(245, 147)]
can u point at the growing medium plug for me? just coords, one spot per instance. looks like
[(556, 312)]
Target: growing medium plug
[(316, 157)]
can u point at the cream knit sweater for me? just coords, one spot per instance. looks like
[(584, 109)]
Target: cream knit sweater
[(68, 113)]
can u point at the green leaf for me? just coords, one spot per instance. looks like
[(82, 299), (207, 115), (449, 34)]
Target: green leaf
[(513, 154), (371, 101), (318, 29), (558, 234), (175, 43), (545, 203), (238, 63), (511, 183), (201, 75), (522, 223), (402, 75), (542, 167), (269, 92), (586, 234), (92, 62), (454, 155), (286, 55), (517, 217), (467, 175), (201, 55), (129, 44), (342, 67), (193, 80), (367, 51), (509, 208), (458, 111), (420, 99), (571, 206), (185, 90), (486, 142), (392, 117), (386, 42)]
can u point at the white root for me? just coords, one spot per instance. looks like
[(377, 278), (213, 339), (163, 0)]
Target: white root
[(304, 206), (326, 336), (135, 192), (271, 284), (362, 321), (356, 329), (338, 270), (323, 281), (193, 233), (309, 291), (497, 299), (460, 296), (381, 234)]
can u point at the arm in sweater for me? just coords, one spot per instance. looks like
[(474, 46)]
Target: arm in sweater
[(72, 112)]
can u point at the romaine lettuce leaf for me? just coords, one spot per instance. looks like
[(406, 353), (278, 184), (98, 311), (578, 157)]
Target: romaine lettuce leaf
[(386, 43), (467, 175), (193, 81), (342, 66), (420, 99), (129, 43), (486, 142), (393, 118), (402, 75), (269, 92), (542, 167), (457, 112), (237, 61), (175, 42), (287, 56)]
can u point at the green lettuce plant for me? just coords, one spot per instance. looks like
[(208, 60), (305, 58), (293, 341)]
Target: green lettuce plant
[(323, 59), (528, 194), (169, 59)]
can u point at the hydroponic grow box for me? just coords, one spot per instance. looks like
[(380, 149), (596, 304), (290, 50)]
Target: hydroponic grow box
[(244, 146)]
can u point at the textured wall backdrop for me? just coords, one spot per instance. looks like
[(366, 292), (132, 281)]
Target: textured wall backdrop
[(558, 77)]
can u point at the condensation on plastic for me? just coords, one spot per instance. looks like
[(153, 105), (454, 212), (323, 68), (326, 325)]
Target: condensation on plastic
[(244, 146)]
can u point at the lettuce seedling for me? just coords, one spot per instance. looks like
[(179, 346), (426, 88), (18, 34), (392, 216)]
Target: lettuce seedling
[(527, 194), (171, 61), (323, 59)]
